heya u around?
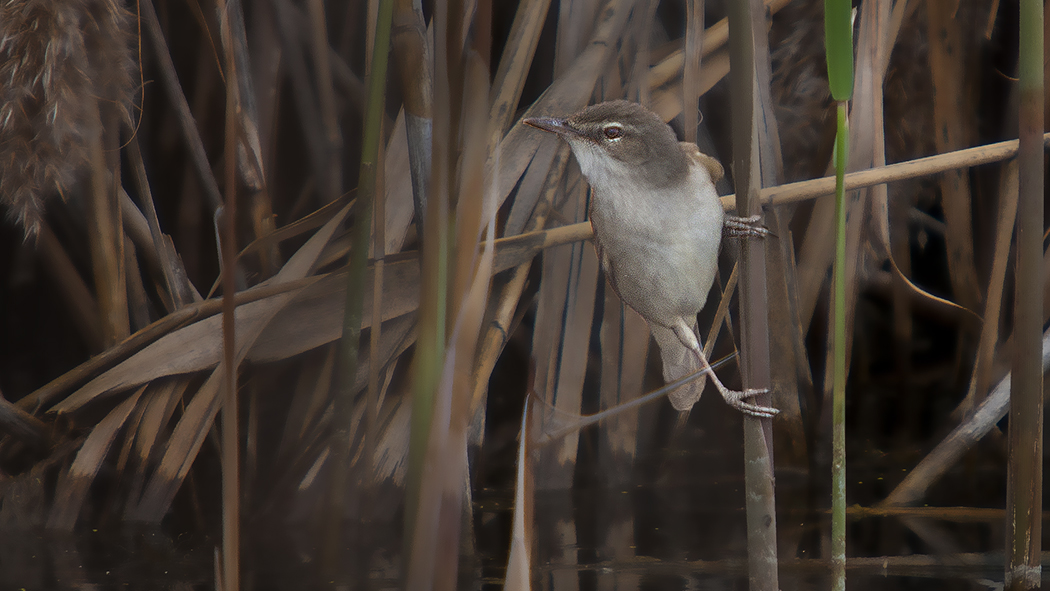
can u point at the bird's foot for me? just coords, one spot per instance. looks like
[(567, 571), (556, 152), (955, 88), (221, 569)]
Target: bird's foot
[(736, 399), (748, 227)]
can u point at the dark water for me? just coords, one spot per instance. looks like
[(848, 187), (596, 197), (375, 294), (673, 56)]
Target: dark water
[(653, 537), (590, 540), (647, 537), (670, 519)]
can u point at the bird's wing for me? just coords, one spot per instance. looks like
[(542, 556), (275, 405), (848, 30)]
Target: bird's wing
[(714, 167)]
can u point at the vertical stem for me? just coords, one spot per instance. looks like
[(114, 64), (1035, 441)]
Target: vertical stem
[(694, 46), (350, 343), (332, 182), (745, 21), (430, 344), (1024, 469), (838, 342), (231, 461), (105, 229)]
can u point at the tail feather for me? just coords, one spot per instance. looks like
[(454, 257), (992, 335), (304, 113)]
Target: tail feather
[(679, 361)]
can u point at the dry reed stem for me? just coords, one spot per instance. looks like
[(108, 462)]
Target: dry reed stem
[(945, 455), (949, 60), (526, 245), (982, 368), (187, 124)]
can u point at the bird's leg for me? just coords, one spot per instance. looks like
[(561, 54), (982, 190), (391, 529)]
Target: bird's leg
[(733, 398), (748, 227)]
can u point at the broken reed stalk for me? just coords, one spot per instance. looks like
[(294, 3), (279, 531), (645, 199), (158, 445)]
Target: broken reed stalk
[(1024, 467), (964, 437), (746, 20), (356, 286)]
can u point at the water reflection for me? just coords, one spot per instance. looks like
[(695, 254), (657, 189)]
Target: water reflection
[(131, 559)]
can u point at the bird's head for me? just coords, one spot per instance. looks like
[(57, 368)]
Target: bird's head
[(618, 138)]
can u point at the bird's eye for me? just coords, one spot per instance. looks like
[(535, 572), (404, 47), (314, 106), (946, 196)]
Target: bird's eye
[(613, 132)]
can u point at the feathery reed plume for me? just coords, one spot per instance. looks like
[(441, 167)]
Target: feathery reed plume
[(58, 59)]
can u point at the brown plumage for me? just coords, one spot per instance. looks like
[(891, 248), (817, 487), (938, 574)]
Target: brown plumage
[(60, 60)]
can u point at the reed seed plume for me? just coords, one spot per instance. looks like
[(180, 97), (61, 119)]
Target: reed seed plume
[(60, 62)]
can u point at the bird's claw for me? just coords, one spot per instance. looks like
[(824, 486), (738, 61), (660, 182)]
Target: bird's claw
[(744, 227), (736, 398)]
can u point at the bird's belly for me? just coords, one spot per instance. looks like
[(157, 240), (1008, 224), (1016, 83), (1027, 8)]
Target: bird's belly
[(660, 250), (661, 278)]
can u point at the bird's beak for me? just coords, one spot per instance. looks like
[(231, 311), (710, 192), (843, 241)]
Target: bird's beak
[(551, 124)]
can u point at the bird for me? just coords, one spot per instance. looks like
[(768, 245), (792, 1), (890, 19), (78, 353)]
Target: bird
[(658, 226)]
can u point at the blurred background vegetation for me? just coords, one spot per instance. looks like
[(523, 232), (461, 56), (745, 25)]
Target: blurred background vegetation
[(126, 129)]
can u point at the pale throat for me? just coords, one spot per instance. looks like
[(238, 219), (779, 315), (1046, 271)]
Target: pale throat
[(603, 171)]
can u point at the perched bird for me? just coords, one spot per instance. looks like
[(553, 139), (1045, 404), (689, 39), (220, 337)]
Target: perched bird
[(658, 226)]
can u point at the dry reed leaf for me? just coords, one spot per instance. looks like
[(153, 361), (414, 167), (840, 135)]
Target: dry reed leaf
[(73, 484), (792, 378), (576, 23), (566, 95), (391, 453), (525, 200), (195, 423), (993, 303), (306, 444), (249, 151), (187, 124), (308, 401), (624, 338), (193, 348), (134, 423), (691, 87), (315, 219), (160, 405), (560, 342), (949, 59), (715, 38), (310, 319), (518, 52), (508, 295), (667, 101), (299, 324), (182, 448), (199, 345), (398, 205), (398, 208), (519, 563), (519, 249)]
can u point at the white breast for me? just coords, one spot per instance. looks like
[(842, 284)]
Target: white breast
[(662, 245)]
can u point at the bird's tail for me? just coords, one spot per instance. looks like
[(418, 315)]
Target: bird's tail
[(679, 361)]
